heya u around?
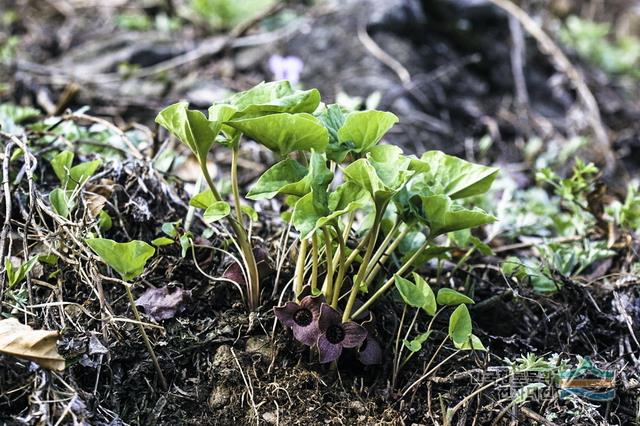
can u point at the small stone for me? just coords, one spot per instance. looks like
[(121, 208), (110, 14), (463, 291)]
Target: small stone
[(270, 417), (358, 407), (219, 397), (223, 357), (261, 345)]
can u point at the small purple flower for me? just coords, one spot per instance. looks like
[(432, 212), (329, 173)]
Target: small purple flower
[(336, 335), (302, 318), (370, 352), (286, 68)]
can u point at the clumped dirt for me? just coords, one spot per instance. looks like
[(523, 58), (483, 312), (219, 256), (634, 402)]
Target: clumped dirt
[(226, 366)]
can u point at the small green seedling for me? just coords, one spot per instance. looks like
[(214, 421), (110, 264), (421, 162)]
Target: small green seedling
[(15, 275), (128, 260), (63, 198)]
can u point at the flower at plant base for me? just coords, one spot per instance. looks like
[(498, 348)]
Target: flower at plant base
[(286, 68), (370, 352), (335, 335), (302, 318)]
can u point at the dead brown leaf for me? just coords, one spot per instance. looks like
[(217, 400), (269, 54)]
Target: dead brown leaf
[(22, 341)]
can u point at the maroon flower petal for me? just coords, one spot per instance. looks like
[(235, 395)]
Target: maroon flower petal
[(307, 335), (370, 353), (313, 303), (328, 317), (354, 334), (285, 313), (328, 351)]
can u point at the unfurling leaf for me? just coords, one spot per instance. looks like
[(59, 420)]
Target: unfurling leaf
[(443, 216), (447, 296), (456, 177), (275, 97), (22, 341), (364, 129), (217, 211), (162, 303), (460, 325), (284, 132), (191, 127), (127, 259)]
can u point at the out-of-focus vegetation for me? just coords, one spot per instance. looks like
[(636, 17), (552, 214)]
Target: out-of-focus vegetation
[(224, 14), (595, 42)]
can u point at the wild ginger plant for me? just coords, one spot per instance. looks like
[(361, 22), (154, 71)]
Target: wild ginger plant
[(338, 181)]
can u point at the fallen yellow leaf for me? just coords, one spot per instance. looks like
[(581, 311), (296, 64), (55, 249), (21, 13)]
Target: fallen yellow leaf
[(22, 341)]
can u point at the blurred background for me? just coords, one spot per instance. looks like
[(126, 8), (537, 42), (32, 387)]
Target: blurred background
[(466, 76)]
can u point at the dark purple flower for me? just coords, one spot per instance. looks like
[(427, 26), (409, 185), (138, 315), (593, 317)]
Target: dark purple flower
[(302, 318), (370, 352), (336, 335)]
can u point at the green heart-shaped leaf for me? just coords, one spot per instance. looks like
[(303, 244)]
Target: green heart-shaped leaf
[(216, 211), (279, 178), (61, 202), (456, 177), (79, 174), (275, 97), (410, 293), (61, 165), (447, 296), (443, 216), (460, 325), (472, 343), (191, 127), (203, 199), (127, 259), (285, 133), (429, 305), (364, 129)]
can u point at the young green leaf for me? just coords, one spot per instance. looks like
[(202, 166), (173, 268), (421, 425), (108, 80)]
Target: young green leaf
[(275, 97), (217, 211), (415, 344), (191, 127), (61, 165), (410, 293), (460, 325), (447, 296), (364, 129), (61, 202), (15, 275), (162, 241), (279, 178), (443, 216), (284, 132), (472, 343), (333, 119), (104, 221), (127, 259), (249, 212), (457, 178), (429, 305), (80, 174), (203, 199)]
